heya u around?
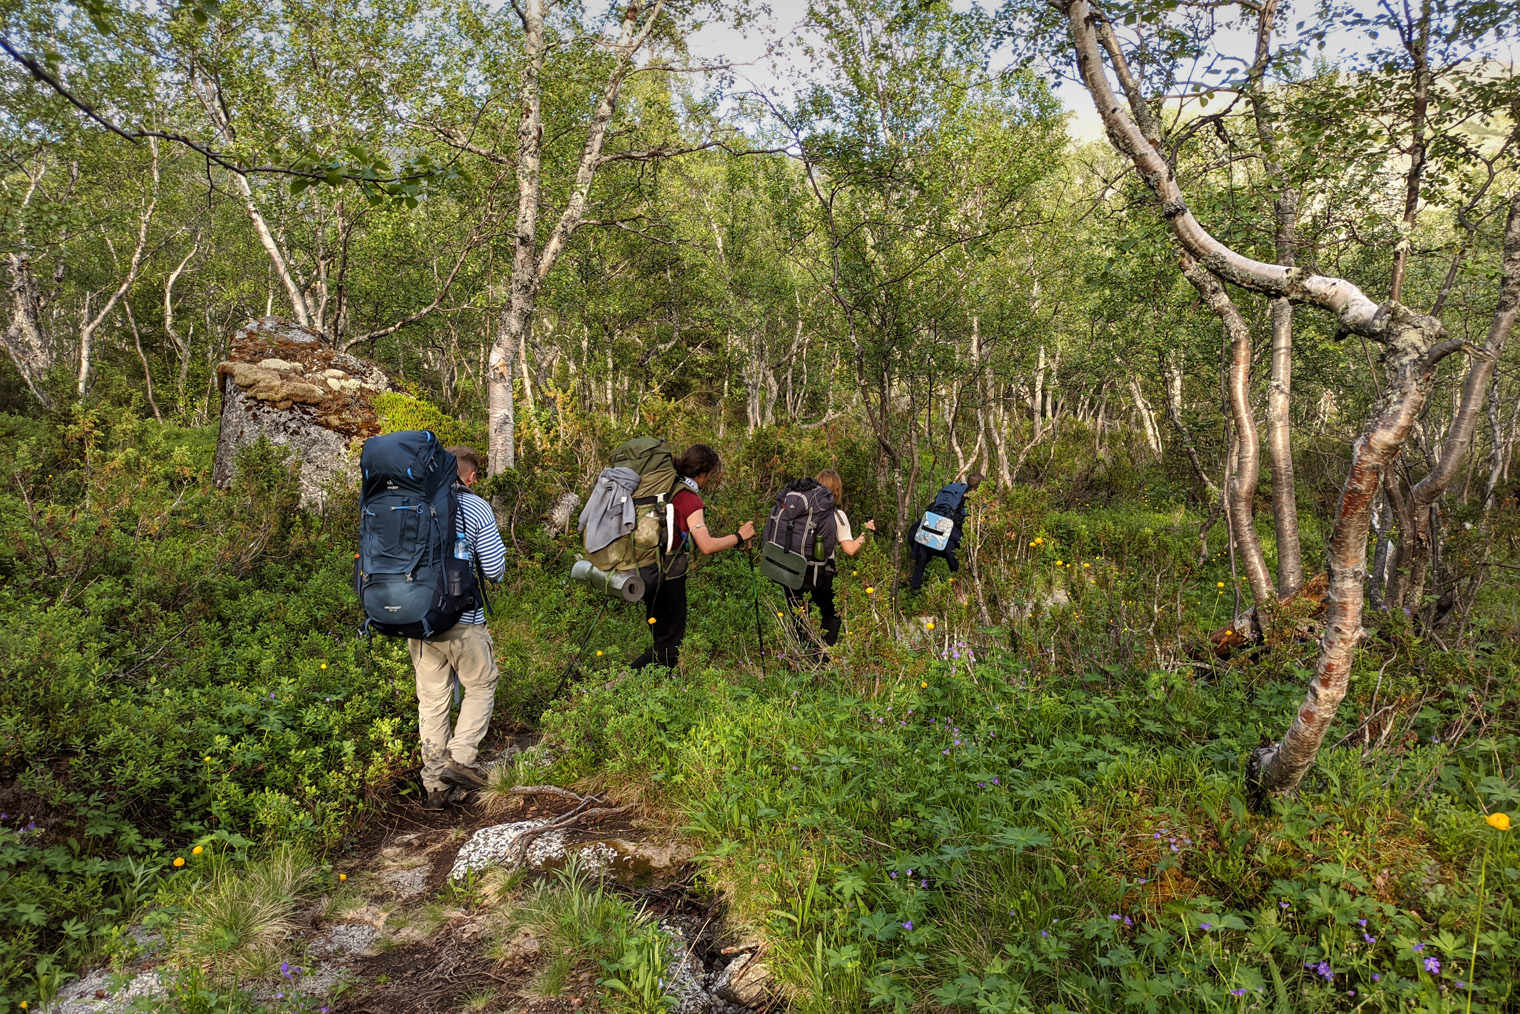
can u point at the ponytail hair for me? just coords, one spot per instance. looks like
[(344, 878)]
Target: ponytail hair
[(829, 480), (698, 459)]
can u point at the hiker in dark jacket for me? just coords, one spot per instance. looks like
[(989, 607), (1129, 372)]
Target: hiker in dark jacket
[(923, 554), (665, 598), (819, 584)]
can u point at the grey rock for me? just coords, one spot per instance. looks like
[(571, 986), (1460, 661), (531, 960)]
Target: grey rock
[(346, 938), (78, 996), (288, 383), (746, 981)]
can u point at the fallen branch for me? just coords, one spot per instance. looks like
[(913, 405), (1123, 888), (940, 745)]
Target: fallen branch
[(579, 815)]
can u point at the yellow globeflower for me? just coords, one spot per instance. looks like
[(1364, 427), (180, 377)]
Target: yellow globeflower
[(1059, 564), (1036, 542), (179, 861), (651, 621), (598, 654), (870, 590), (924, 686), (342, 877), (778, 615), (1499, 821), (197, 850), (1086, 565), (929, 625), (854, 573), (324, 665), (208, 758), (1219, 584)]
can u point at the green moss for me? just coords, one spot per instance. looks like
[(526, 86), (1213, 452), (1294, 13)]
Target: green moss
[(399, 412)]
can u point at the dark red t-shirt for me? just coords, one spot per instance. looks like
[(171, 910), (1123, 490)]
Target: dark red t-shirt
[(686, 504)]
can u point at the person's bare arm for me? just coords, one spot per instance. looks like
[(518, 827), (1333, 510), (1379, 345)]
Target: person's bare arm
[(853, 546), (709, 543)]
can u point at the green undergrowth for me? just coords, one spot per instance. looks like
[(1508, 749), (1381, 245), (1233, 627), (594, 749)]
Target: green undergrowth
[(985, 840), (181, 668)]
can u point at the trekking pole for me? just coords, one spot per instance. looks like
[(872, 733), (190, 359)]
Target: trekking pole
[(754, 589), (576, 660)]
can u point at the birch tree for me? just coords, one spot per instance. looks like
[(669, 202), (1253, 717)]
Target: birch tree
[(1414, 344)]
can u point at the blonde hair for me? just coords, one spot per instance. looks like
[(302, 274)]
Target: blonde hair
[(829, 479)]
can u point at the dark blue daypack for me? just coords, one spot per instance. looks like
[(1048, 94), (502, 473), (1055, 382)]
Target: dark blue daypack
[(406, 573), (937, 527), (949, 499)]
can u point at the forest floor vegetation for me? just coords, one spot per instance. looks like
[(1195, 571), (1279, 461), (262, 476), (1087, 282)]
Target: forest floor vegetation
[(1020, 789)]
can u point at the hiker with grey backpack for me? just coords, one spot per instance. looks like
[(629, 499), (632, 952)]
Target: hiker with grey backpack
[(426, 547), (806, 527)]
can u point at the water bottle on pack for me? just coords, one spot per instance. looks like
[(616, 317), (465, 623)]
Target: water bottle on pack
[(461, 547)]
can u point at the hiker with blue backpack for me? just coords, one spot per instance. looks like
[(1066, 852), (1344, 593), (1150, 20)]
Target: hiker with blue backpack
[(427, 545), (938, 532)]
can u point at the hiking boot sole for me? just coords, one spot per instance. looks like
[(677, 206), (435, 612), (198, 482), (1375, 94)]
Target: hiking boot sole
[(463, 777)]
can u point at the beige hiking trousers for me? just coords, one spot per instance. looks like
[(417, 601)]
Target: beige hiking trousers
[(466, 650)]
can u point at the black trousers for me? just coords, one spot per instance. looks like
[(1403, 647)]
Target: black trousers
[(922, 555), (819, 586), (665, 604)]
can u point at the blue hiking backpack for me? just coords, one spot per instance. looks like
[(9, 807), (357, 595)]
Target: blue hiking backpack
[(939, 521), (411, 577)]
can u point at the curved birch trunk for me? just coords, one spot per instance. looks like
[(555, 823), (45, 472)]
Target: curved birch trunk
[(1242, 485), (1414, 344), (1411, 361)]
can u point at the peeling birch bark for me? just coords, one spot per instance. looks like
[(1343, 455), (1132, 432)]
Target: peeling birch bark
[(1411, 361)]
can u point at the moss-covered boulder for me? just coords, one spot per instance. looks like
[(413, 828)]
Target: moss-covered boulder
[(287, 382)]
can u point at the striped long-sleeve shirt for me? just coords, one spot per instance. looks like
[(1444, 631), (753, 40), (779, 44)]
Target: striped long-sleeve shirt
[(478, 523)]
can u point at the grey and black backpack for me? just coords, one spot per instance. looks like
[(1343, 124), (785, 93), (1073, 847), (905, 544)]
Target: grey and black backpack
[(412, 574), (800, 535)]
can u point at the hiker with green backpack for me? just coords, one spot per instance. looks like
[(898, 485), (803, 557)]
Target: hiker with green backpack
[(639, 525)]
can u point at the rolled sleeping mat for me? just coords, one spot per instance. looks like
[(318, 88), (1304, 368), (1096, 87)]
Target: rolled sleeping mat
[(620, 584)]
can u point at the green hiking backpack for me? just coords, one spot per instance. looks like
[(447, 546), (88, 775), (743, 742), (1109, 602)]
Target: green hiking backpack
[(656, 541)]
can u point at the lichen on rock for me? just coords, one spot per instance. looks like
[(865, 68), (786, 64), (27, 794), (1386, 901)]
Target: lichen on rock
[(287, 382)]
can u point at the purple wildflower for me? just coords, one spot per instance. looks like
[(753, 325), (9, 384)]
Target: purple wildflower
[(996, 782), (1417, 948), (1115, 916), (1044, 933), (1323, 968), (893, 874), (908, 925), (1433, 966), (1369, 938), (1205, 926), (1376, 977), (1237, 992)]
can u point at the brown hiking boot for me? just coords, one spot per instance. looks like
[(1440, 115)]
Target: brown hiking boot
[(436, 799), (466, 777)]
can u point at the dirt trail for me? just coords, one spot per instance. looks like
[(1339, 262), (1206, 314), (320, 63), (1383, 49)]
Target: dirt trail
[(407, 930)]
